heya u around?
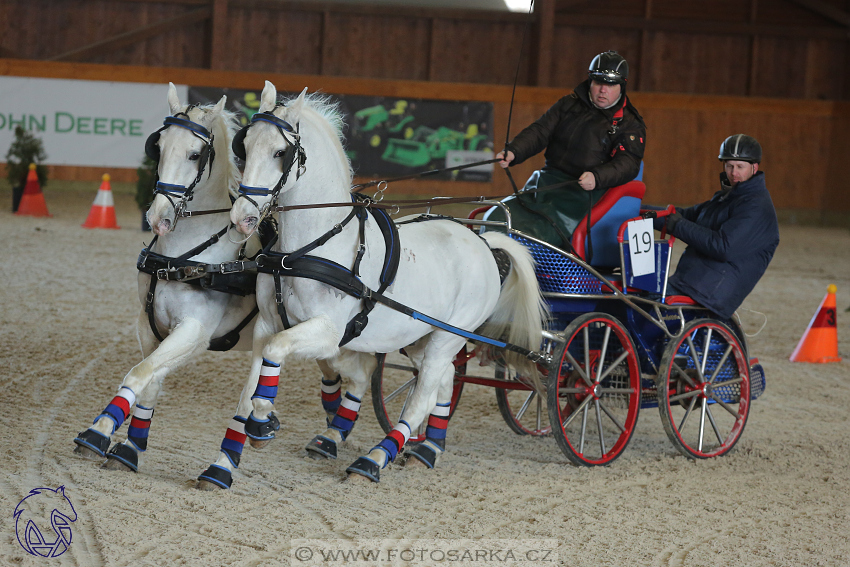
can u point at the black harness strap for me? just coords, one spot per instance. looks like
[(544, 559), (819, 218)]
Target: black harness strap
[(233, 278), (300, 264)]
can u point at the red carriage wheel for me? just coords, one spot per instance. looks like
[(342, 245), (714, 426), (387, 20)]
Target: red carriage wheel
[(593, 390), (523, 408), (704, 373), (393, 382)]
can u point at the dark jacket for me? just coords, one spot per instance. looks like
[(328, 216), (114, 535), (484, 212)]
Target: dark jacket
[(577, 138), (731, 240)]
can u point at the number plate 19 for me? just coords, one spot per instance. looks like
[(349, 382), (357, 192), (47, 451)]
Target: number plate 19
[(642, 247)]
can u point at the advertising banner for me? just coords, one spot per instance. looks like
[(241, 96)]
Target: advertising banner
[(83, 123), (391, 137)]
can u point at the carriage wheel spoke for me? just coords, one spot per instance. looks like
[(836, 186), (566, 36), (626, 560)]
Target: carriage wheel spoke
[(612, 417), (705, 350), (406, 386), (410, 369), (583, 428), (613, 365), (702, 423), (683, 374), (720, 364), (687, 413), (573, 414), (578, 368), (684, 396), (695, 356), (539, 413), (599, 427), (725, 405), (714, 425), (599, 375), (404, 405), (525, 405)]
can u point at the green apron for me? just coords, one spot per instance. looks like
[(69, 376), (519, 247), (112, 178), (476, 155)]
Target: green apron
[(565, 207)]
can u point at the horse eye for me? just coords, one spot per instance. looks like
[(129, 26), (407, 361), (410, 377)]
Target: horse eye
[(278, 153), (194, 157)]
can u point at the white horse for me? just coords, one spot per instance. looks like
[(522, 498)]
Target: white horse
[(447, 277), (183, 314)]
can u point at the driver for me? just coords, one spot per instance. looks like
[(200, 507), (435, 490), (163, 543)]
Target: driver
[(593, 136), (731, 237)]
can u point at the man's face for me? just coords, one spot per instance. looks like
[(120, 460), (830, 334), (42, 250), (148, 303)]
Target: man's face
[(603, 94), (739, 171)]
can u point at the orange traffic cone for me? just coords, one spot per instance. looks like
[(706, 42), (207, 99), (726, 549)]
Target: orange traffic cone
[(820, 341), (32, 201), (102, 213)]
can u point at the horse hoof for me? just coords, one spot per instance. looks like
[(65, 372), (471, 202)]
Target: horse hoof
[(426, 454), (358, 478), (364, 467), (258, 443), (321, 448), (207, 486), (115, 465), (87, 453)]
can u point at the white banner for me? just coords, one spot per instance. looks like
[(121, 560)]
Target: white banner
[(88, 123)]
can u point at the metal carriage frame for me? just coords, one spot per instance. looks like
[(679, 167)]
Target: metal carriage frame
[(609, 351)]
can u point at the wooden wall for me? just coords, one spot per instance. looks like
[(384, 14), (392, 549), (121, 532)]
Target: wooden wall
[(770, 48), (805, 142)]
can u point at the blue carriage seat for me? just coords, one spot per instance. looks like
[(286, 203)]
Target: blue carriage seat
[(616, 206)]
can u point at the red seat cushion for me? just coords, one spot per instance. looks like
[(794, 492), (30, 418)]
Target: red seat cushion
[(679, 300)]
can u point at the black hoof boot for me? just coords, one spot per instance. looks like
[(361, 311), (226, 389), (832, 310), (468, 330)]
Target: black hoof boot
[(261, 430), (428, 453), (125, 455), (364, 466), (321, 447), (93, 441), (216, 476)]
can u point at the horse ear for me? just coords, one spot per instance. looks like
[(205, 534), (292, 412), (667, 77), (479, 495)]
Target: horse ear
[(293, 109), (219, 107), (173, 100), (269, 98)]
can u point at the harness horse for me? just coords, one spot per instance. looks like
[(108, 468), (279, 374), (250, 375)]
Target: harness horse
[(337, 290), (194, 291)]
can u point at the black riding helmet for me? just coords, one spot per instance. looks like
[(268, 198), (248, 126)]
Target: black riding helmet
[(740, 147), (609, 67)]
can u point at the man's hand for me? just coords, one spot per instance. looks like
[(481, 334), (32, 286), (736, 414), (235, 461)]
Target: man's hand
[(587, 181), (505, 159)]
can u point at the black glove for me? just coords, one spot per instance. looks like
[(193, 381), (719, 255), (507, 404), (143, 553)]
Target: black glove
[(672, 221)]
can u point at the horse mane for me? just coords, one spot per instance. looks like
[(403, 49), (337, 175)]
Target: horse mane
[(330, 112), (225, 128)]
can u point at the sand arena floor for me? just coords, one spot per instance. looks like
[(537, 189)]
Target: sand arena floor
[(67, 338)]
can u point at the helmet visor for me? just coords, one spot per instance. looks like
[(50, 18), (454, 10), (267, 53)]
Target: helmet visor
[(604, 76)]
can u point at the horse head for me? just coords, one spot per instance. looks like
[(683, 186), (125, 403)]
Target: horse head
[(271, 148), (185, 149)]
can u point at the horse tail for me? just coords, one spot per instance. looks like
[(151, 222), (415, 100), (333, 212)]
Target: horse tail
[(520, 311)]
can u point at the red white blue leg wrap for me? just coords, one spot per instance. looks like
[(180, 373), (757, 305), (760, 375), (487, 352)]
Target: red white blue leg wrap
[(346, 415), (438, 421), (234, 440), (119, 408), (331, 394), (139, 429), (395, 440), (264, 428)]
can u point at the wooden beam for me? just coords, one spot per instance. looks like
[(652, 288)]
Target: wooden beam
[(644, 45), (544, 12), (218, 41), (134, 36), (699, 26), (826, 10)]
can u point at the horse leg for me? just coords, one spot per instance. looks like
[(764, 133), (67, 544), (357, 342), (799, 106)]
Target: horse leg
[(186, 340), (358, 368), (436, 368), (428, 451), (220, 473), (126, 456), (315, 338)]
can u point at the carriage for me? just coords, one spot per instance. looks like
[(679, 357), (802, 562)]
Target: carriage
[(615, 343)]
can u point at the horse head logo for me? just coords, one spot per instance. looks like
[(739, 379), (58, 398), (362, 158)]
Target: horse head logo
[(43, 510)]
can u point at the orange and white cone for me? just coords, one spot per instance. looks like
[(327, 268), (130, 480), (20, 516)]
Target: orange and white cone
[(102, 213), (820, 341), (32, 200)]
